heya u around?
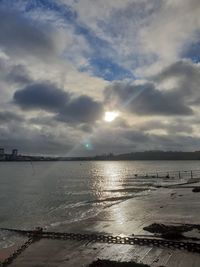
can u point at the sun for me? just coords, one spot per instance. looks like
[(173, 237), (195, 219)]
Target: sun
[(111, 116)]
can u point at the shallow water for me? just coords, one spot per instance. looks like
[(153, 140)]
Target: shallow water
[(52, 193)]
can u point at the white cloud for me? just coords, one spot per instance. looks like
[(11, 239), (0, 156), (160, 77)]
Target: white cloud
[(143, 34), (172, 29), (148, 37)]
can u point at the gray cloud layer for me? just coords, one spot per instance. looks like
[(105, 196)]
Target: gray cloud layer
[(146, 100), (67, 108), (7, 116), (149, 98), (147, 37), (81, 109), (41, 96), (19, 35)]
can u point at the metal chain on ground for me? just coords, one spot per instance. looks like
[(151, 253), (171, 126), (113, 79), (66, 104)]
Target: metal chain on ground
[(16, 253), (110, 239)]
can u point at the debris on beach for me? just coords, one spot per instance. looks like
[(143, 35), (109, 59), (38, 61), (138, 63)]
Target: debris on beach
[(196, 189), (169, 231)]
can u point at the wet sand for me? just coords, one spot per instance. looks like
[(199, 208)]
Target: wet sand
[(171, 206), (6, 252)]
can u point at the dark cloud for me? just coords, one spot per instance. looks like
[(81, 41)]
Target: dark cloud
[(131, 140), (34, 143), (135, 136), (86, 127), (187, 77), (174, 142), (41, 96), (67, 108), (18, 74), (151, 99), (178, 126), (30, 32), (7, 116), (45, 139), (145, 99), (43, 120), (182, 70), (61, 141), (81, 109), (20, 35)]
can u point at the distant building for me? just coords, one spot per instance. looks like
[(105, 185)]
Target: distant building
[(2, 151), (14, 152)]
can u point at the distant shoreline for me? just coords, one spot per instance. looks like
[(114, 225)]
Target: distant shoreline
[(143, 156)]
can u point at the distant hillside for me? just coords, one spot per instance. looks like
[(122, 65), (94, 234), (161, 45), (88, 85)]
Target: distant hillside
[(146, 155), (153, 155)]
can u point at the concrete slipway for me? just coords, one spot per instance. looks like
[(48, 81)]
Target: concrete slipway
[(173, 205)]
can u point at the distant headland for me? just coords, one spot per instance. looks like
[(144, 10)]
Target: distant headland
[(145, 155)]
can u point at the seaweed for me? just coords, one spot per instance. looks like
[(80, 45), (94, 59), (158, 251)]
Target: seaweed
[(169, 231), (108, 263), (196, 189)]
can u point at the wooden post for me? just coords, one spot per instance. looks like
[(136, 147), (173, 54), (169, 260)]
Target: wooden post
[(191, 175)]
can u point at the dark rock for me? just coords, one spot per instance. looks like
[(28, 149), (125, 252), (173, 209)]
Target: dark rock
[(196, 190), (168, 231), (107, 263)]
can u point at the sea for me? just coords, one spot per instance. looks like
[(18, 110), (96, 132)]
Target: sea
[(51, 194)]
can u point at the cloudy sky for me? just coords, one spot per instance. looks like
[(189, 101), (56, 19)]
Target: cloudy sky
[(64, 63)]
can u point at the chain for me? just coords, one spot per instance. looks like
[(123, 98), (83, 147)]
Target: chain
[(110, 239), (16, 253), (142, 241)]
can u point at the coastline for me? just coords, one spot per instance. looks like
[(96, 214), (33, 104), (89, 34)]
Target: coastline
[(125, 218), (171, 204)]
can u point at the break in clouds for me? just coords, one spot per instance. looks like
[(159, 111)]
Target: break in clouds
[(64, 64)]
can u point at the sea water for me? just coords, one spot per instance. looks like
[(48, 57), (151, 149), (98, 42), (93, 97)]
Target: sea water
[(49, 194)]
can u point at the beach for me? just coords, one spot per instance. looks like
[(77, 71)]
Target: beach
[(176, 205), (99, 133)]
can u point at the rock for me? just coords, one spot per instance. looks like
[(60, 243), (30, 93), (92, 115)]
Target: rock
[(196, 190), (107, 263)]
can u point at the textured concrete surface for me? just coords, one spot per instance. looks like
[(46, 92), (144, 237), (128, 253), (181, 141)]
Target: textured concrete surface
[(165, 205)]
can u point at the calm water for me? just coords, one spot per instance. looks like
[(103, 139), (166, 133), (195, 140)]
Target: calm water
[(54, 193)]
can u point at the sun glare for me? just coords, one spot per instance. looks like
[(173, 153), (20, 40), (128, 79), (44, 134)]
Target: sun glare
[(110, 116)]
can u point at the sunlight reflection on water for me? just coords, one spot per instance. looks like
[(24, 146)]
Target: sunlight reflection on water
[(45, 193)]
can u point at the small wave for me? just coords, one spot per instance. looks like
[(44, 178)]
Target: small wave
[(110, 199), (69, 206), (9, 239), (83, 216), (132, 190)]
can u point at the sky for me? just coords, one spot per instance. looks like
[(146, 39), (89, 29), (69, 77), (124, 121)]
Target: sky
[(64, 63)]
